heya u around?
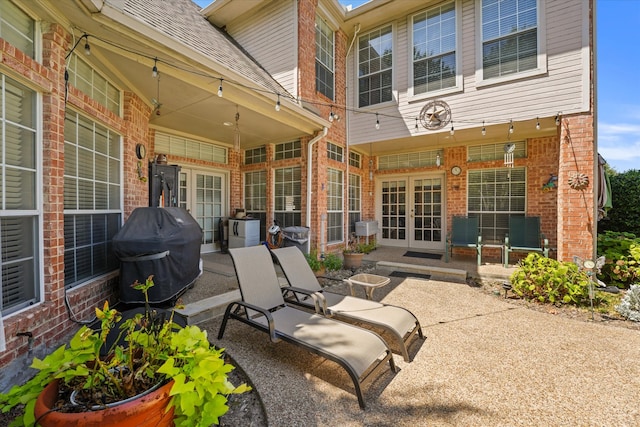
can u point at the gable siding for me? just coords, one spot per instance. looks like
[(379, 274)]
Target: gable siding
[(270, 37), (561, 88)]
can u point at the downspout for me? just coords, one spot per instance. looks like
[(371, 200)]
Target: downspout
[(346, 117), (321, 134)]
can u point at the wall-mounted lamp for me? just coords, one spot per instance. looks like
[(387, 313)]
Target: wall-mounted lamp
[(438, 160)]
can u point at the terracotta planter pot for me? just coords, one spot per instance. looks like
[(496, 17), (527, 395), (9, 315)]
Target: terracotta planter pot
[(352, 260), (146, 410)]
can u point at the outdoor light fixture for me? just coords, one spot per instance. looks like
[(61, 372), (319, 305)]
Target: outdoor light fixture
[(484, 129), (331, 117), (220, 89), (87, 48), (438, 160), (377, 122), (154, 70), (278, 103), (452, 131), (537, 123), (558, 119)]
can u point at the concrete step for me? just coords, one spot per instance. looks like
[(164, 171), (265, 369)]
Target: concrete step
[(437, 273)]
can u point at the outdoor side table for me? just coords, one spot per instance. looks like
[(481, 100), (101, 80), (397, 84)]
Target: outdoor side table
[(368, 281)]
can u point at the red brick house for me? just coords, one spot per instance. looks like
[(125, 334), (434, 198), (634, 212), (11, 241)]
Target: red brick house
[(298, 110)]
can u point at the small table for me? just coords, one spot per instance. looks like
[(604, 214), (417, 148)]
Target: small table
[(368, 281)]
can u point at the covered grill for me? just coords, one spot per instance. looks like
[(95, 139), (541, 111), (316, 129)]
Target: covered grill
[(163, 242)]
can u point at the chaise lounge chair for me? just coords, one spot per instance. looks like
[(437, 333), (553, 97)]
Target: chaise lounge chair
[(305, 291), (359, 351)]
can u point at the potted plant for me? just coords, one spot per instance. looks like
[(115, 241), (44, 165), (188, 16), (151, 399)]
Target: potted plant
[(148, 351), (354, 252)]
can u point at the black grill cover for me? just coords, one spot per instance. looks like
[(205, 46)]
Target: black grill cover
[(163, 242)]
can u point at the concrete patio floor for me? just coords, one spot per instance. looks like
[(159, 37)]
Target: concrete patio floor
[(485, 362)]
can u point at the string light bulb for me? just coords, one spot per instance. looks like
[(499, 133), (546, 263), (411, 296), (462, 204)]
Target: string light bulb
[(278, 103), (220, 89), (452, 131), (484, 129), (154, 70), (537, 123), (558, 119), (377, 122), (416, 124), (87, 48), (331, 117), (511, 126)]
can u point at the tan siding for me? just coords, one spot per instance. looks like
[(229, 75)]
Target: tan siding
[(561, 88), (270, 37)]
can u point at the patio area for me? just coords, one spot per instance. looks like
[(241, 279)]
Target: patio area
[(486, 361)]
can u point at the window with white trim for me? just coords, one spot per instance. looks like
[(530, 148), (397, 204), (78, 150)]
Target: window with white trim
[(324, 58), (355, 197), (434, 49), (19, 193), (355, 159), (85, 78), (335, 207), (17, 28), (288, 150), (486, 152), (288, 196), (92, 198), (189, 148), (335, 152), (375, 62), (509, 37), (493, 196), (255, 197)]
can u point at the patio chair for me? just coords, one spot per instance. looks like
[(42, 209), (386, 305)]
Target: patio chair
[(465, 233), (359, 351), (525, 236), (305, 291)]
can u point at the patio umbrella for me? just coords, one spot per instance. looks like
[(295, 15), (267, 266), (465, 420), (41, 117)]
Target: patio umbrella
[(604, 189)]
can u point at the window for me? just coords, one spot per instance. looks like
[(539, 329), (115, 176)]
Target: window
[(92, 198), (255, 155), (190, 149), (509, 37), (335, 152), (334, 205), (485, 152), (288, 150), (494, 195), (434, 49), (19, 215), (324, 58), (89, 81), (375, 59), (288, 196), (409, 160), (354, 201), (17, 28), (355, 159), (255, 198)]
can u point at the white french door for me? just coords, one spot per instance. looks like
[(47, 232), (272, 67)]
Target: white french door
[(410, 209), (203, 194)]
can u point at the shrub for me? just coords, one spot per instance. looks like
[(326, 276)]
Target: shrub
[(313, 261), (622, 253), (332, 262), (629, 307), (625, 213), (548, 280)]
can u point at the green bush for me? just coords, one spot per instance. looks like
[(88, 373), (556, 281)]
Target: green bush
[(624, 216), (332, 262), (313, 261), (547, 280), (622, 253)]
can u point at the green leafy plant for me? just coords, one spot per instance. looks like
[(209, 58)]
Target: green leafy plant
[(332, 262), (624, 216), (547, 280), (314, 262), (155, 351), (629, 307), (622, 253)]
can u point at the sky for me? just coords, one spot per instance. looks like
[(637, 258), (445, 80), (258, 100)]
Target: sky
[(618, 67)]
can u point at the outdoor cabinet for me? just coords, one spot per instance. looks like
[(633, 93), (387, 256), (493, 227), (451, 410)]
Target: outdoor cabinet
[(163, 185)]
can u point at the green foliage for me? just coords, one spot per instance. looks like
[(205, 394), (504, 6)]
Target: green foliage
[(548, 280), (313, 261), (622, 253), (332, 262), (629, 307), (156, 351), (624, 216)]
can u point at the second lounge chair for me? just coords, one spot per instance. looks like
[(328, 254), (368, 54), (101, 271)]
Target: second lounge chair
[(359, 351), (398, 322)]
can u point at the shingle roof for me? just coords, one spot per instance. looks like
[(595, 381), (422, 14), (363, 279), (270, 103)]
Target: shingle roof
[(181, 20)]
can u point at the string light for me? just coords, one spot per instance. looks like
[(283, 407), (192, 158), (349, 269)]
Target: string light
[(511, 126), (452, 131), (331, 114), (484, 129), (416, 124), (558, 119), (377, 122), (154, 70), (278, 103), (220, 89), (537, 123), (87, 48)]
